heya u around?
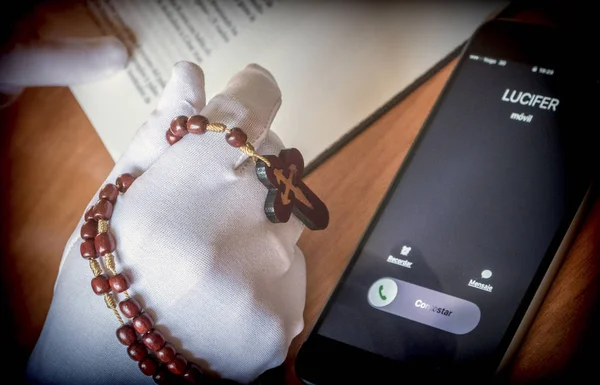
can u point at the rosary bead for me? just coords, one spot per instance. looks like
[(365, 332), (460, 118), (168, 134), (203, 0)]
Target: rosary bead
[(130, 307), (179, 126), (89, 230), (178, 365), (137, 351), (110, 192), (194, 375), (105, 243), (143, 323), (118, 283), (148, 365), (166, 354), (197, 124), (100, 284), (164, 377), (89, 214), (126, 335), (87, 249), (124, 181), (236, 137), (154, 340), (172, 139), (103, 209)]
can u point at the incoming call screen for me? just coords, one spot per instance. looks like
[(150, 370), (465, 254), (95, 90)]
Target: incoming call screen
[(467, 226)]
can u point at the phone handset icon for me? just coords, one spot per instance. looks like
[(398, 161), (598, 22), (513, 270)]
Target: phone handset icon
[(382, 292), (381, 295)]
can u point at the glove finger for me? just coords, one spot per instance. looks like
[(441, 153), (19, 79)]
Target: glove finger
[(184, 94), (62, 62), (249, 101)]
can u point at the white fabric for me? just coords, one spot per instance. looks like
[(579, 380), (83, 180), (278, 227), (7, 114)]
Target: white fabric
[(60, 62), (223, 283)]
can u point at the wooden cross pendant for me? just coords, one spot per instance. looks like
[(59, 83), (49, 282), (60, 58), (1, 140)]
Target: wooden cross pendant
[(287, 193)]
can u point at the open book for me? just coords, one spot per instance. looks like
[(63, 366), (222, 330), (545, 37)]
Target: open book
[(337, 63)]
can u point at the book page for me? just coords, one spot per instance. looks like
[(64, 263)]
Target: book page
[(335, 62), (161, 32)]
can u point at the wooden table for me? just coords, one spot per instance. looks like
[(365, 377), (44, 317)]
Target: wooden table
[(53, 162)]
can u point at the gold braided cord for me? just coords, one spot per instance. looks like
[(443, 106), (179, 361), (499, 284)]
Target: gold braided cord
[(102, 226), (249, 150), (216, 127), (126, 294), (110, 301), (111, 304), (109, 262), (95, 267)]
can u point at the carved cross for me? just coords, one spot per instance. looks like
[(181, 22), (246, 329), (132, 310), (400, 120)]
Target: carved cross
[(287, 193)]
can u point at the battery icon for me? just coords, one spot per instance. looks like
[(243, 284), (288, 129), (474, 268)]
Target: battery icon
[(534, 69)]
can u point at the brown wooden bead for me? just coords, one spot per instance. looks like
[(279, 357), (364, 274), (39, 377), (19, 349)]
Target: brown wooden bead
[(126, 335), (130, 307), (104, 243), (100, 284), (178, 365), (179, 126), (148, 365), (236, 137), (164, 377), (166, 354), (103, 209), (143, 323), (89, 230), (194, 374), (87, 249), (154, 340), (172, 139), (89, 214), (119, 283), (137, 351), (124, 181), (197, 124), (110, 192)]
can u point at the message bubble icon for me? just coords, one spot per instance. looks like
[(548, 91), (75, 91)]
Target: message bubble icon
[(486, 274)]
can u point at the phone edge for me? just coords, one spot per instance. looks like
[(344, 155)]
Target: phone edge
[(546, 283)]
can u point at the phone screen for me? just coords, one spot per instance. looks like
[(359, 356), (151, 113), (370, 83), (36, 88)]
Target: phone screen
[(483, 198)]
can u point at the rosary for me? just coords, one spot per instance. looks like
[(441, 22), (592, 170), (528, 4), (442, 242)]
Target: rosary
[(286, 195)]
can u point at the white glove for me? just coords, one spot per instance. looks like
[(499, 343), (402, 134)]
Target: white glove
[(52, 45), (59, 62), (222, 283)]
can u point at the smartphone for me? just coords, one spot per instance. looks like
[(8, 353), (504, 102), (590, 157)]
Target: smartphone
[(450, 272)]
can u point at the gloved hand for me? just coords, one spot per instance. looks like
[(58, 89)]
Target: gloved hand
[(53, 44), (59, 62), (223, 284)]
